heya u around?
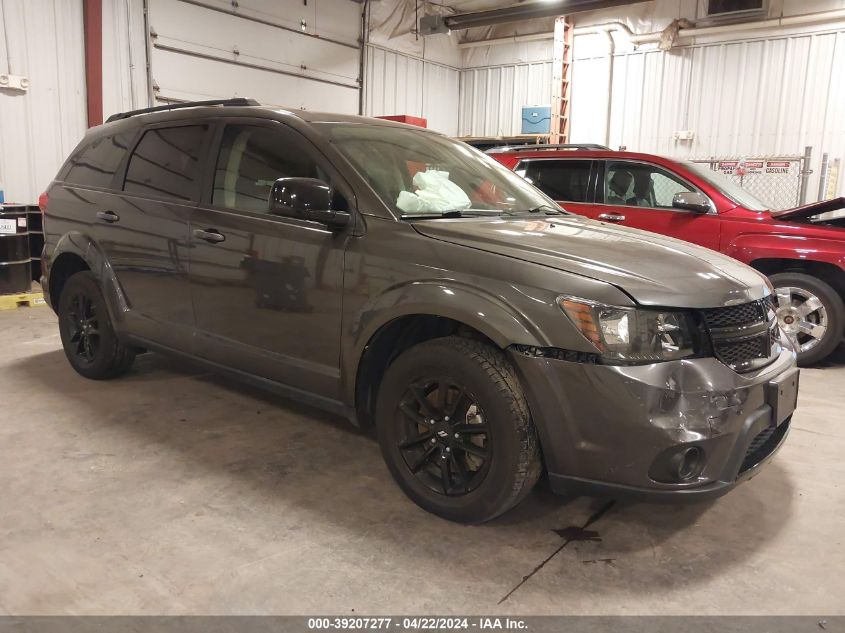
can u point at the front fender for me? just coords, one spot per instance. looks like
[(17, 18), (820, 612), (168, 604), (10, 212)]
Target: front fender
[(748, 248), (488, 314)]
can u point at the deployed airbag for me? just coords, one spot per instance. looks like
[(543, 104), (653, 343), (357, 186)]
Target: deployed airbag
[(435, 193)]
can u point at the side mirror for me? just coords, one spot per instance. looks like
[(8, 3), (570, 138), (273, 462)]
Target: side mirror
[(306, 199), (691, 201)]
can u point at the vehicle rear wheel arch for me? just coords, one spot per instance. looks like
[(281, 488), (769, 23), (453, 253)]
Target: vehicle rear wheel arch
[(63, 268), (76, 252)]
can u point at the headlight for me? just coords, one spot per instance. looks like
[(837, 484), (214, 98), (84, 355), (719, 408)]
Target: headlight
[(632, 335)]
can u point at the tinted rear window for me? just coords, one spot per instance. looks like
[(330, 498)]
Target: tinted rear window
[(565, 180), (94, 165), (166, 163)]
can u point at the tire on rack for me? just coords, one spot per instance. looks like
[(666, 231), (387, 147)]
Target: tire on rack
[(810, 312), (88, 337), (454, 428)]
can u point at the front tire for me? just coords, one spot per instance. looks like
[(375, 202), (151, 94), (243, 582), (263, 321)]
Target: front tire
[(455, 430), (88, 337), (811, 313)]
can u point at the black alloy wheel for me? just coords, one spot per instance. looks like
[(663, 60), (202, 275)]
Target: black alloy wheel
[(455, 430), (90, 342), (445, 440), (83, 327)]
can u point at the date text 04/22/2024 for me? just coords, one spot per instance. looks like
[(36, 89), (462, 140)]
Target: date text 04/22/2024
[(416, 623)]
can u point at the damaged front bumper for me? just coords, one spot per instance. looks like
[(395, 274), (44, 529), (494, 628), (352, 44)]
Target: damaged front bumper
[(630, 430)]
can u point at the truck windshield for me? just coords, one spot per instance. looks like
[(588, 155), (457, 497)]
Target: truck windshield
[(418, 173), (728, 187)]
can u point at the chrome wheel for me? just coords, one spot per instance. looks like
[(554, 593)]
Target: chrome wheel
[(802, 317)]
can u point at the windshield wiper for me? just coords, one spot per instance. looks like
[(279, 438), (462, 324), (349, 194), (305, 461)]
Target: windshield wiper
[(454, 213), (550, 210)]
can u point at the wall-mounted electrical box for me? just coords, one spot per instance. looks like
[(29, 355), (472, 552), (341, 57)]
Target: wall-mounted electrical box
[(536, 119)]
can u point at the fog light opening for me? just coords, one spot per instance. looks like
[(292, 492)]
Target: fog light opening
[(689, 463)]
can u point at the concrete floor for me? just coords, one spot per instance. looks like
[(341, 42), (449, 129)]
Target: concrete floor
[(173, 491)]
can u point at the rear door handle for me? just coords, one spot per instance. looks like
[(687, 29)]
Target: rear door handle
[(209, 235), (611, 217), (108, 216)]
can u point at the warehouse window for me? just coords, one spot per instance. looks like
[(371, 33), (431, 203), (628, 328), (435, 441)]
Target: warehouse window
[(94, 165), (562, 180), (166, 162), (251, 159), (717, 8)]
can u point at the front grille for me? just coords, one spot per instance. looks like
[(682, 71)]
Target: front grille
[(735, 353), (733, 316), (762, 445), (744, 336)]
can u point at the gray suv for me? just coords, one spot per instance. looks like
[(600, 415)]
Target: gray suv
[(409, 282)]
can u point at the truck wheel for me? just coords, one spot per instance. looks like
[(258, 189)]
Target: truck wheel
[(89, 340), (455, 431), (811, 313)]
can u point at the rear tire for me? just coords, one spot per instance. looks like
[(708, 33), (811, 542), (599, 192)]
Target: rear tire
[(811, 313), (88, 337), (455, 430)]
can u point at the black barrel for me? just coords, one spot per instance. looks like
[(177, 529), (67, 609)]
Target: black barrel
[(36, 240), (15, 275)]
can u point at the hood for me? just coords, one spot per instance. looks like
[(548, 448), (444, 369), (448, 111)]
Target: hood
[(652, 269), (810, 210)]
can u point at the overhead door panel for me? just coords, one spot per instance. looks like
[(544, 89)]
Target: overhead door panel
[(189, 78), (280, 52)]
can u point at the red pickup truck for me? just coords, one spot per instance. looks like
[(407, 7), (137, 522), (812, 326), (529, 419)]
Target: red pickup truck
[(802, 250)]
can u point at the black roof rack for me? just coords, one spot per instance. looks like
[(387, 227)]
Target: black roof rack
[(240, 101), (537, 148)]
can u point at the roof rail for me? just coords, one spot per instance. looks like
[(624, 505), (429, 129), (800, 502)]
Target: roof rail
[(240, 101), (537, 148)]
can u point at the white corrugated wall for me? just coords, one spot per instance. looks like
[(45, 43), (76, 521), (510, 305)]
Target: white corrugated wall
[(40, 126), (492, 97), (398, 83), (409, 74), (770, 93), (124, 57), (758, 97), (44, 40)]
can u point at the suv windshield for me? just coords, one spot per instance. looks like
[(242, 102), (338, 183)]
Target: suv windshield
[(728, 187), (418, 173)]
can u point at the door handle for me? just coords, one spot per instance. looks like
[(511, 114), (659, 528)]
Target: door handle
[(209, 235), (611, 217), (108, 216)]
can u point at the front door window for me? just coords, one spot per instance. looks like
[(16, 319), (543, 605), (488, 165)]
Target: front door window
[(641, 185)]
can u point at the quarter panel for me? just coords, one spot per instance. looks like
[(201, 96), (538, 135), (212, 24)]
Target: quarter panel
[(141, 260)]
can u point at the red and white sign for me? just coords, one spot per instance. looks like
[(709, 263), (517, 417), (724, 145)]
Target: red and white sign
[(777, 166)]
